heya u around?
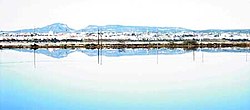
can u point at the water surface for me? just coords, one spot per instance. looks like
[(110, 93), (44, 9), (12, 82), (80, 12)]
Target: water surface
[(125, 79)]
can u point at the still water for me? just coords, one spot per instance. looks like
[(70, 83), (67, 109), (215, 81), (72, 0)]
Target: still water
[(125, 79)]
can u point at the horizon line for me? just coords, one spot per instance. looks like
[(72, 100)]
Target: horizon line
[(1, 30)]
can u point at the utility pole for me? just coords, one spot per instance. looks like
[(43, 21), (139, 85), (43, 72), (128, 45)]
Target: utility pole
[(98, 45), (101, 48), (98, 36), (157, 43)]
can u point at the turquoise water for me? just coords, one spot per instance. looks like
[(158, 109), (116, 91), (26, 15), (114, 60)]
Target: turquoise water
[(128, 79)]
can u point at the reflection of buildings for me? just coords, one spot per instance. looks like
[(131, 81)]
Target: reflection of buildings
[(133, 36)]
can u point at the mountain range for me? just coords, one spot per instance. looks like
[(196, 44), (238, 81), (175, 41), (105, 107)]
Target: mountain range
[(63, 28)]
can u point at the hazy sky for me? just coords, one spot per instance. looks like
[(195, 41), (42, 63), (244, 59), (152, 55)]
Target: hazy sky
[(193, 14)]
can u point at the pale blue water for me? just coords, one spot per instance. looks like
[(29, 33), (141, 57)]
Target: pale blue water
[(125, 79)]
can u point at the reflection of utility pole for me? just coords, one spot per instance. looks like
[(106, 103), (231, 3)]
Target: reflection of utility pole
[(34, 51), (246, 56), (157, 53), (101, 56), (98, 55), (193, 55), (202, 56)]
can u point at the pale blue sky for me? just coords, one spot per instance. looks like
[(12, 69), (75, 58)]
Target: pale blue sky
[(193, 14)]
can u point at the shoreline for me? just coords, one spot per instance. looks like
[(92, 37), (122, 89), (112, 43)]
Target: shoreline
[(126, 44)]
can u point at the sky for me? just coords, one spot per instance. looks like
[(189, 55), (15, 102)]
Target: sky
[(77, 14)]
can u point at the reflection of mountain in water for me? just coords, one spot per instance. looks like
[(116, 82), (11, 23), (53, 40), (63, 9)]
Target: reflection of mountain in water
[(61, 53), (132, 52), (58, 53), (231, 50)]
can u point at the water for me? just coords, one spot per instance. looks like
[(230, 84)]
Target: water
[(125, 79)]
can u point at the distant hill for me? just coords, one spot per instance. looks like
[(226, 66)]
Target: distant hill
[(121, 28), (224, 31), (56, 28), (63, 28)]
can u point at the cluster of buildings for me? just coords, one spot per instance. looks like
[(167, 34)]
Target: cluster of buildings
[(133, 36)]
